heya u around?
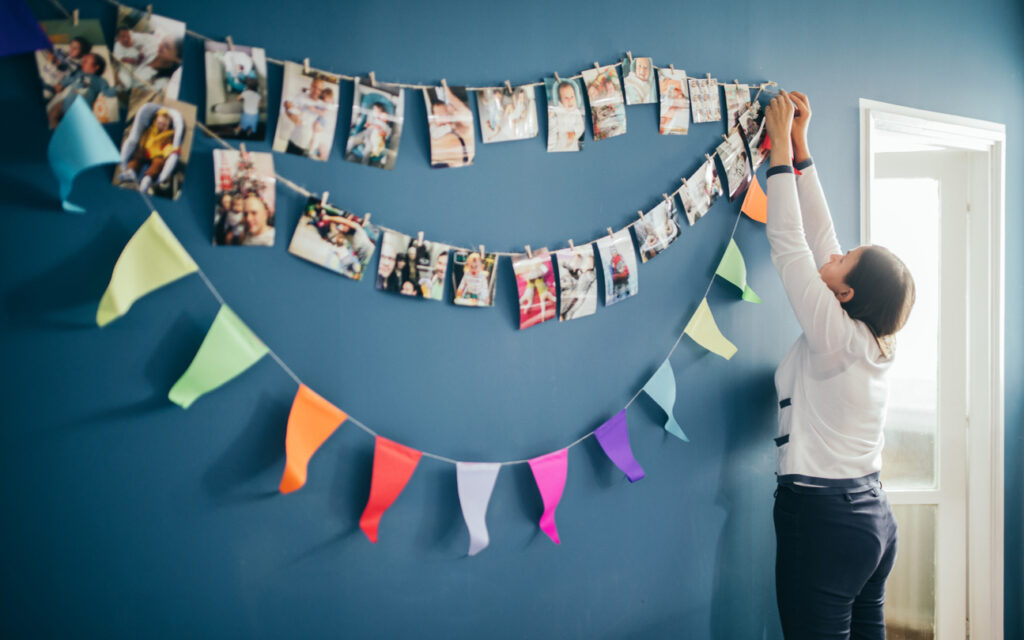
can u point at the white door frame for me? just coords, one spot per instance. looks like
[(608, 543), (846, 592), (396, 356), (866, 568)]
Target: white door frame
[(986, 144)]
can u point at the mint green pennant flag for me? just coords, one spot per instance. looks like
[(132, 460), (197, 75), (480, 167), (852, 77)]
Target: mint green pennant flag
[(228, 349), (662, 389), (734, 269)]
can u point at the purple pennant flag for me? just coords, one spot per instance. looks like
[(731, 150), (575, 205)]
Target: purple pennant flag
[(614, 439), (19, 30)]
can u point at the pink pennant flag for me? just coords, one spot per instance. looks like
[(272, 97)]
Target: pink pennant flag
[(550, 471), (393, 465)]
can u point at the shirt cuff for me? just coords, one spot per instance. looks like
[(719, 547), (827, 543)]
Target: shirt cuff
[(782, 168), (803, 164)]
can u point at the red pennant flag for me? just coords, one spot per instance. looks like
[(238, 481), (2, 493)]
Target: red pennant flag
[(393, 465), (311, 421)]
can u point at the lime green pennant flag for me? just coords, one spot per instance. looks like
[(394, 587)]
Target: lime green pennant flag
[(734, 269), (152, 258), (705, 332), (228, 349)]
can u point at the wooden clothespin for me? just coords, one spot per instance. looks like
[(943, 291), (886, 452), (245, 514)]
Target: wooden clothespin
[(571, 245), (708, 156), (529, 251), (419, 237), (557, 79), (373, 79), (149, 11), (323, 199), (735, 81), (305, 65), (597, 66), (366, 219), (629, 54), (231, 43), (482, 254), (666, 198), (508, 86), (709, 77), (672, 66), (74, 17), (241, 147), (683, 180), (725, 137), (611, 234), (641, 214), (444, 85)]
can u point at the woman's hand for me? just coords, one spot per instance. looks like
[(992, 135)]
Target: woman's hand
[(779, 122), (801, 118)]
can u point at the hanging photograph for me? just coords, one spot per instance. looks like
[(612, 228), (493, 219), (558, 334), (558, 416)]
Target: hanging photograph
[(156, 146), (78, 65), (377, 116), (658, 229), (737, 96), (577, 282), (309, 112), (236, 90), (607, 109), (733, 154), (565, 114), (699, 192), (619, 263), (674, 92), (147, 53), (506, 115), (474, 275), (334, 239), (245, 197), (412, 267), (535, 281), (638, 79), (704, 102), (755, 134), (452, 141)]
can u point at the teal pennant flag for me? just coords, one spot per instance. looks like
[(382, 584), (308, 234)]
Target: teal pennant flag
[(662, 389), (78, 143)]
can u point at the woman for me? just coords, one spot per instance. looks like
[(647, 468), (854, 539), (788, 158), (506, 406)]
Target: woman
[(835, 532)]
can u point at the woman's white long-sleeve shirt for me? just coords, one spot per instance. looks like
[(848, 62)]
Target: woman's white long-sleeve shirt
[(832, 384)]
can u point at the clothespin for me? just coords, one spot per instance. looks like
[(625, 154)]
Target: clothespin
[(419, 237), (305, 65), (74, 17), (323, 200), (444, 84), (709, 77), (149, 11), (373, 79), (683, 180), (557, 79), (725, 137), (482, 254), (735, 81), (529, 251), (665, 196), (611, 234), (571, 245), (641, 214), (597, 66), (629, 54), (672, 67), (708, 157), (508, 86), (366, 219), (241, 147), (231, 43)]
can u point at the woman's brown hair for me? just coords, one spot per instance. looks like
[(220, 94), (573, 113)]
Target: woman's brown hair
[(883, 291)]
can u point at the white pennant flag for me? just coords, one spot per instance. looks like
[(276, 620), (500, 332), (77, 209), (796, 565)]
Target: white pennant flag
[(476, 482)]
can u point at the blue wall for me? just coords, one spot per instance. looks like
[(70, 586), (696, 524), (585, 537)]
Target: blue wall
[(126, 517)]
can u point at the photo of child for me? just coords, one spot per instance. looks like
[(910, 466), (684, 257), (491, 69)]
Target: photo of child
[(412, 267), (309, 113), (334, 239), (565, 114), (236, 90), (156, 146), (474, 275), (737, 167), (577, 282), (699, 192), (619, 262), (452, 142), (507, 115), (704, 102), (147, 53), (674, 92), (244, 187), (77, 66), (754, 133), (737, 96), (377, 116), (607, 109), (535, 280), (658, 229), (638, 78)]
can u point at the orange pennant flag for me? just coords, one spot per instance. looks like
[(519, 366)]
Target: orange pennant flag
[(755, 205), (393, 465), (311, 421)]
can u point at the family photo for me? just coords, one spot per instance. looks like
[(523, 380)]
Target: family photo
[(658, 229), (156, 145), (309, 112), (147, 53), (737, 96), (751, 124), (699, 192), (452, 140), (535, 282), (577, 282), (507, 114), (474, 275), (334, 239), (674, 98), (236, 90), (565, 114), (704, 102), (638, 78), (411, 266), (377, 116), (245, 197), (733, 154), (619, 262), (606, 106), (78, 65)]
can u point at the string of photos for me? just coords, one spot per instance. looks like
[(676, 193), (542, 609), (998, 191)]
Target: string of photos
[(344, 242)]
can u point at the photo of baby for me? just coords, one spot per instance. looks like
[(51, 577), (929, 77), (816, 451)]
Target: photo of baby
[(334, 239), (244, 186), (412, 267), (474, 275), (607, 109), (565, 114), (507, 115), (236, 90), (619, 262), (377, 116), (737, 96), (699, 192), (658, 229), (577, 282), (754, 133), (535, 281), (737, 167), (156, 146), (78, 65), (147, 53), (452, 141), (674, 92), (704, 102), (309, 112), (638, 77)]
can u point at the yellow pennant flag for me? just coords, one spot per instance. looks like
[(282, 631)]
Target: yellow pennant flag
[(705, 332), (151, 259)]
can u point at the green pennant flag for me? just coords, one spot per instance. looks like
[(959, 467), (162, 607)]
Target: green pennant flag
[(705, 332), (228, 349), (734, 269), (152, 258)]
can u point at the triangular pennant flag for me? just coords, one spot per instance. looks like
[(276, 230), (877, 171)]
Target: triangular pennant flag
[(662, 389), (228, 349), (613, 436), (550, 471), (152, 258), (705, 332), (20, 32), (311, 421), (476, 482), (734, 269), (393, 465), (755, 204), (78, 143)]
